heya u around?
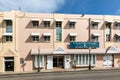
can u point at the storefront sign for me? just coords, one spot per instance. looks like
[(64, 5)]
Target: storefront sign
[(84, 45)]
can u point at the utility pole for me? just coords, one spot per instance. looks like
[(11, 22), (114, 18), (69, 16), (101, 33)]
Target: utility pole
[(89, 41)]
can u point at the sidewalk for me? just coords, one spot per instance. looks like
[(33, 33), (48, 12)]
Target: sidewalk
[(57, 71)]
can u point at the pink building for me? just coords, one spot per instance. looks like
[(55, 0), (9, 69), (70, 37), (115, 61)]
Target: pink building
[(62, 41)]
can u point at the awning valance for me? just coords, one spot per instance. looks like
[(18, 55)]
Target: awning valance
[(118, 34), (73, 34), (34, 52), (46, 19), (59, 20), (117, 21), (96, 34), (109, 21), (7, 34), (96, 21), (7, 18), (72, 20), (47, 34), (34, 19), (35, 34)]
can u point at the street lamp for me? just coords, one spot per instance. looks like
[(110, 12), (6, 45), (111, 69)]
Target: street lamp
[(38, 59)]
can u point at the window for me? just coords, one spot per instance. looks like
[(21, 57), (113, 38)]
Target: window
[(72, 38), (107, 37), (47, 38), (72, 24), (117, 25), (95, 25), (94, 38), (8, 38), (47, 23), (8, 26), (35, 23), (58, 31), (117, 38), (83, 59), (41, 61), (35, 38), (108, 31)]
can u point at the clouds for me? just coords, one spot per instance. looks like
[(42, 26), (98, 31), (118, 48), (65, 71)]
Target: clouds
[(31, 5)]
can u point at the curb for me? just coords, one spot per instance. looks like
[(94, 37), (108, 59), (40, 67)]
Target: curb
[(48, 72)]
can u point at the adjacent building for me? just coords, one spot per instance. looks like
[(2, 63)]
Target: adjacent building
[(58, 41)]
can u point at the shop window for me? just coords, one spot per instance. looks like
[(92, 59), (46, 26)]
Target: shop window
[(83, 59), (41, 61)]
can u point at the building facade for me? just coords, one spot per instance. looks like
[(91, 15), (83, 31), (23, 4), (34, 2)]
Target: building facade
[(62, 41)]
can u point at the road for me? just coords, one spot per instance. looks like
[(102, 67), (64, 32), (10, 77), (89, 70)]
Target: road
[(79, 75)]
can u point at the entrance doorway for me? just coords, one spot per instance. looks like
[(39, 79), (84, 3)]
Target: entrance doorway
[(58, 61), (9, 63), (108, 61)]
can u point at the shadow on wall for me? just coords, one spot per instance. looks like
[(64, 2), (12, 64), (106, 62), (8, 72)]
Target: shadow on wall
[(67, 39), (67, 26), (29, 57)]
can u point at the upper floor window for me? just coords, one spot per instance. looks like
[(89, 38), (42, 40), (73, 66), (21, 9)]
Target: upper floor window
[(117, 37), (58, 30), (95, 25), (95, 38), (8, 26), (47, 23), (35, 38), (8, 38), (46, 38), (117, 25), (72, 24), (35, 23), (72, 38), (107, 37)]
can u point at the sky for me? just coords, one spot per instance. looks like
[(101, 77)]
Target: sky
[(100, 7)]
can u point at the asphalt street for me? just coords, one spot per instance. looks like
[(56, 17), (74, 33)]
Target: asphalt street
[(79, 75)]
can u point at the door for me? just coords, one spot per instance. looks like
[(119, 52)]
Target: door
[(67, 61), (9, 63), (49, 62), (58, 61), (108, 61)]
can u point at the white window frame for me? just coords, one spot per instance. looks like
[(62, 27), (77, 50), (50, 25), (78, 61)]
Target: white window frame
[(41, 61)]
